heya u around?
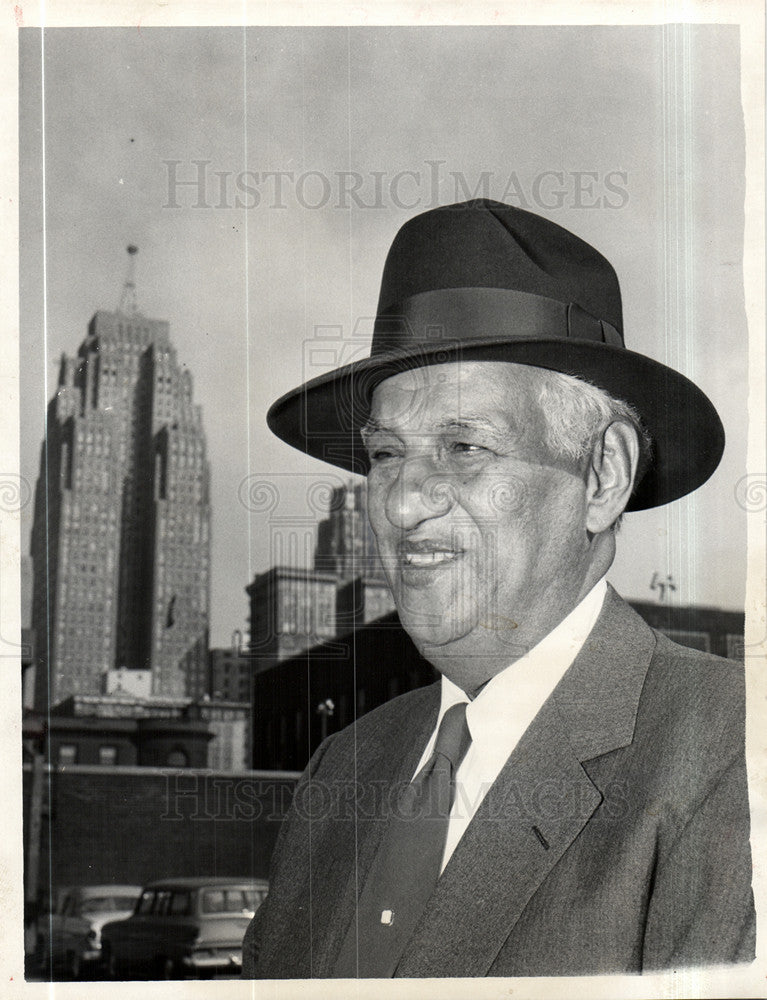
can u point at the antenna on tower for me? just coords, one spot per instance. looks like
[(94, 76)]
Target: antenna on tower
[(128, 305)]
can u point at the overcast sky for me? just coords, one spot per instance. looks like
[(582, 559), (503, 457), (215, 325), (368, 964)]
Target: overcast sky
[(631, 137)]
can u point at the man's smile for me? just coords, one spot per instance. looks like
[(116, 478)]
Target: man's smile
[(426, 554), (425, 560)]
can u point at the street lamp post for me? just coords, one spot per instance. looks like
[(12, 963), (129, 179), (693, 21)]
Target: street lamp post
[(325, 710)]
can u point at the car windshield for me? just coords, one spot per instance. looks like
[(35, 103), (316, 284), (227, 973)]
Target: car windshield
[(230, 900), (107, 904), (147, 899), (180, 904)]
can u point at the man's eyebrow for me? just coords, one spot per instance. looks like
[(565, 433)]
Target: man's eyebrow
[(500, 435), (371, 426), (456, 424), (472, 424)]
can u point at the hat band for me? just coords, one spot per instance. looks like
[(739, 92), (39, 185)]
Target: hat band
[(450, 315)]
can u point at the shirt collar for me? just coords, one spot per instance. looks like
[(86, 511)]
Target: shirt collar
[(515, 694)]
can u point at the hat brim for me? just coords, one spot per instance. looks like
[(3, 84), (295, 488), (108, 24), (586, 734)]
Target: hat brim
[(322, 417)]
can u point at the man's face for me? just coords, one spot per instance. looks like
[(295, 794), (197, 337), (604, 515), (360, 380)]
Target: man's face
[(480, 529)]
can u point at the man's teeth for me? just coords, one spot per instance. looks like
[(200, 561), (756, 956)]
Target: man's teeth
[(428, 558)]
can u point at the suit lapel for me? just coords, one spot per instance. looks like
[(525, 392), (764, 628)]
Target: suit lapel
[(538, 805)]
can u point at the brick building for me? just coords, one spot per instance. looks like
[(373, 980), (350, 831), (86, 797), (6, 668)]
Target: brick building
[(129, 730), (229, 674), (291, 609)]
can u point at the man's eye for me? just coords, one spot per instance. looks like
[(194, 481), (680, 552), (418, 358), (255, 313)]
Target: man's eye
[(381, 454), (466, 447)]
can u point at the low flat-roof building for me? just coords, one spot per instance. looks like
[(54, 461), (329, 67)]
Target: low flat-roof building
[(125, 729), (304, 698)]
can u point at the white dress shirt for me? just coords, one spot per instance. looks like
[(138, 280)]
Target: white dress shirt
[(499, 715)]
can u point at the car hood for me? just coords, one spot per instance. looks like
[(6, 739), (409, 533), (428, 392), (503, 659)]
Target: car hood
[(97, 920)]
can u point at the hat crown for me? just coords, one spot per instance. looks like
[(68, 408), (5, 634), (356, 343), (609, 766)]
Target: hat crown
[(483, 281), (486, 244)]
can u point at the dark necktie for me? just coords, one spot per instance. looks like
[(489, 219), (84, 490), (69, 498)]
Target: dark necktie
[(407, 865)]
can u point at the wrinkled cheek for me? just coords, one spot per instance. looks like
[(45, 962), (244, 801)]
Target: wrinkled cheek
[(447, 610), (376, 508), (439, 622), (508, 498), (386, 538), (468, 596)]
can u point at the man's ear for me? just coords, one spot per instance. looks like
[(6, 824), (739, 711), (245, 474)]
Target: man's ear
[(610, 476)]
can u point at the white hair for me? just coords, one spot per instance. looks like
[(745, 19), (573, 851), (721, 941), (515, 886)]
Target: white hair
[(576, 414)]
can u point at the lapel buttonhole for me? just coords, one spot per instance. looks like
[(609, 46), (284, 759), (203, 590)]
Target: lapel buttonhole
[(541, 838)]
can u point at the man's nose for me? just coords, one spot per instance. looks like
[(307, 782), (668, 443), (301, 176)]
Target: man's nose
[(418, 493)]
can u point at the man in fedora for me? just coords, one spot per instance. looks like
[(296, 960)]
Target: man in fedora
[(570, 798)]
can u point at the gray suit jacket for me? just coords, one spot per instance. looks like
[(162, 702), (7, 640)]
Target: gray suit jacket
[(634, 773)]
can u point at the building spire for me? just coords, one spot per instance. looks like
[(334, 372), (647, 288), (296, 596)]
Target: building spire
[(128, 305)]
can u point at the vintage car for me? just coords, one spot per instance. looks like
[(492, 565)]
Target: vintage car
[(183, 928), (69, 938)]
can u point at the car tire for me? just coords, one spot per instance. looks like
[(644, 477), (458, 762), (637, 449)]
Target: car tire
[(42, 959), (166, 968), (109, 963), (72, 966)]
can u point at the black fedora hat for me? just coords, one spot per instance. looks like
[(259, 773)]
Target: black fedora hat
[(484, 281)]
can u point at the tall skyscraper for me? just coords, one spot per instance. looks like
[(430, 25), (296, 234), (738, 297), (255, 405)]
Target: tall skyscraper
[(121, 533), (346, 544)]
